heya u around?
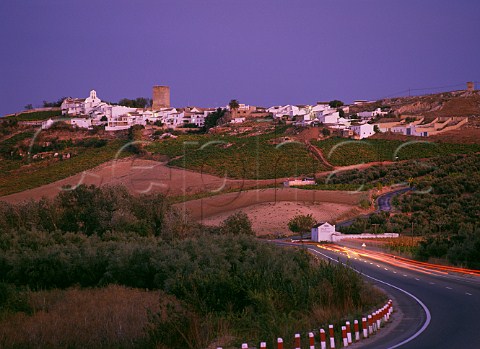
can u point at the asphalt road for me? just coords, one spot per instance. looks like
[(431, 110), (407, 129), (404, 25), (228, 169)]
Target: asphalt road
[(440, 310), (384, 203)]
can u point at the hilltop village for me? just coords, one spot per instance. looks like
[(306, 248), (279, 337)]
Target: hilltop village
[(362, 119)]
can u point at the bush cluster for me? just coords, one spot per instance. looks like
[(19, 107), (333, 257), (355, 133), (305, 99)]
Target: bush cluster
[(219, 280)]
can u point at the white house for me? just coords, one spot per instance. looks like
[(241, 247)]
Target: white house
[(81, 122), (328, 116), (73, 106), (281, 111), (124, 122), (363, 130), (47, 124), (368, 115), (323, 231)]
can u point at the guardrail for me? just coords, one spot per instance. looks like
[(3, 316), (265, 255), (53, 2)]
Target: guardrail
[(371, 324)]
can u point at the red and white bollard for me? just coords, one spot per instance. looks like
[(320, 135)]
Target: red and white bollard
[(344, 336), (332, 336), (364, 327), (349, 332), (263, 345), (370, 325), (279, 343), (323, 339), (311, 340), (379, 319), (297, 341), (356, 330)]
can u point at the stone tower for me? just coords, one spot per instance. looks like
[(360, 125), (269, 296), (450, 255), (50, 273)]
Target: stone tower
[(470, 86), (161, 97)]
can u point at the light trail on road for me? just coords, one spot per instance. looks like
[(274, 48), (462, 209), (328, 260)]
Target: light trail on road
[(423, 267)]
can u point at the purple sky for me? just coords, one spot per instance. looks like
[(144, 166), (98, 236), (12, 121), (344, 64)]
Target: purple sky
[(261, 52)]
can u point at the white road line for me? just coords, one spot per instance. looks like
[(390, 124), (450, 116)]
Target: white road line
[(417, 279), (404, 274), (468, 294), (431, 283), (448, 287), (385, 268), (425, 309)]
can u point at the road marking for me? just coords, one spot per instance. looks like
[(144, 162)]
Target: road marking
[(394, 272), (425, 309), (448, 287), (468, 294), (404, 274), (385, 268), (431, 283), (417, 279)]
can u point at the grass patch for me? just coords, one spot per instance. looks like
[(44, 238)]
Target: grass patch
[(37, 115), (110, 317), (20, 178), (255, 157), (7, 145), (342, 152)]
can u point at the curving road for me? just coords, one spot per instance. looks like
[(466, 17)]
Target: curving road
[(440, 306), (383, 203)]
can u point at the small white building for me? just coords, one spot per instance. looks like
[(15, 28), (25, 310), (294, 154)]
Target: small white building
[(73, 106), (368, 115), (47, 124), (81, 122), (328, 116), (363, 130), (323, 231)]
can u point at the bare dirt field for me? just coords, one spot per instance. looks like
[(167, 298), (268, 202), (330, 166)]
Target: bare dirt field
[(271, 209), (273, 217)]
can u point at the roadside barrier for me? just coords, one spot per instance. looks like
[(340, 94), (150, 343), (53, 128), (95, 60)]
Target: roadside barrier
[(297, 341), (311, 340), (371, 324), (344, 336), (349, 332), (356, 330), (332, 336), (365, 327), (323, 339)]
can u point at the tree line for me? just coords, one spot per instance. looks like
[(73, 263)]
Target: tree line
[(443, 207)]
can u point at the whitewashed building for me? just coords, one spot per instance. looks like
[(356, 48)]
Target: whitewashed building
[(368, 115), (81, 122), (363, 130), (323, 231)]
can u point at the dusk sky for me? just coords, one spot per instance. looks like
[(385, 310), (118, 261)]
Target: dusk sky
[(261, 52)]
